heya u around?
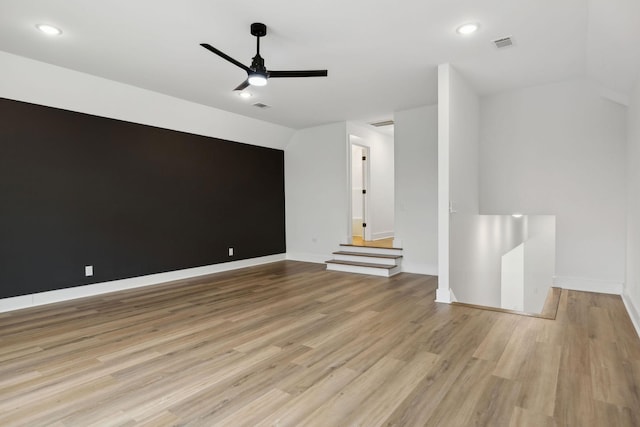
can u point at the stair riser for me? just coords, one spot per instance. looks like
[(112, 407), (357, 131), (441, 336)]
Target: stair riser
[(375, 260), (384, 272), (367, 250)]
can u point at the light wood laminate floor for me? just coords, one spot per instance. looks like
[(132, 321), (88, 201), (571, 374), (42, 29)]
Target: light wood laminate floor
[(290, 344), (381, 243)]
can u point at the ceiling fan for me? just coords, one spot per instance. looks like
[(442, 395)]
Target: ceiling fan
[(257, 73)]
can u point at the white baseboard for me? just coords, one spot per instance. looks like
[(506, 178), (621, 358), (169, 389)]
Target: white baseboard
[(452, 296), (588, 285), (15, 303), (633, 310), (444, 296), (41, 298), (419, 268), (308, 257), (382, 235)]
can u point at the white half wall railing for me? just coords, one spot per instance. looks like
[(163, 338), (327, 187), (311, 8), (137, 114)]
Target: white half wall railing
[(502, 261)]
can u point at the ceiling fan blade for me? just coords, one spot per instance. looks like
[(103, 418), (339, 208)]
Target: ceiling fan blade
[(243, 85), (225, 56), (299, 73)]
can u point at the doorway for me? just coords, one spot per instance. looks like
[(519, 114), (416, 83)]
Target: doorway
[(371, 180)]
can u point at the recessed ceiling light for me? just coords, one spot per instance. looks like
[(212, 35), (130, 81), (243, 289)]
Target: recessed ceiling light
[(49, 30), (468, 28), (245, 95), (516, 215)]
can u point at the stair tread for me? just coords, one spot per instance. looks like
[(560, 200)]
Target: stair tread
[(361, 264), (364, 254), (368, 246)]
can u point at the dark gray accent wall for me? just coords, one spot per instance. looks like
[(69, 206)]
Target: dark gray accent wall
[(129, 199)]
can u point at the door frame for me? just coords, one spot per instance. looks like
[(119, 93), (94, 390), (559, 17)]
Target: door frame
[(353, 140)]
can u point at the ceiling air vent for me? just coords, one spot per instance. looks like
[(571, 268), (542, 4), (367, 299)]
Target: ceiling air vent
[(261, 105), (503, 42), (382, 123)]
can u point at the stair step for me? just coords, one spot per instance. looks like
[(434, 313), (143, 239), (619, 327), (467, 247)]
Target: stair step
[(361, 257), (361, 264), (368, 245), (384, 270), (367, 254), (371, 249)]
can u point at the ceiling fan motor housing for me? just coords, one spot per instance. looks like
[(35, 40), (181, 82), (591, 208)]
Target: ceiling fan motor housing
[(258, 64), (258, 29)]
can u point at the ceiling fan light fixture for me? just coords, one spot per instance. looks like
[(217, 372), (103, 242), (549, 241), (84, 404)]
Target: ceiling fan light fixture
[(468, 28), (257, 79)]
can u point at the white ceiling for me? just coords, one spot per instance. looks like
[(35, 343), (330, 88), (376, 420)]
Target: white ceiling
[(381, 55)]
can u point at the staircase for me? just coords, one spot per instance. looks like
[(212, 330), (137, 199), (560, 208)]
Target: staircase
[(376, 261)]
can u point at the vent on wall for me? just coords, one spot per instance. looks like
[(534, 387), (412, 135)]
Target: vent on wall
[(261, 105), (382, 123), (503, 42)]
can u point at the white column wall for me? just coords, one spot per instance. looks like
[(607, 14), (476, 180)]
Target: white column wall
[(443, 293), (463, 195)]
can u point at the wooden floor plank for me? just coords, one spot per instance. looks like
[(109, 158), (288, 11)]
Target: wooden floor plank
[(468, 386), (541, 376), (493, 345), (516, 353), (392, 394), (497, 402), (292, 413), (525, 418), (290, 344), (349, 400)]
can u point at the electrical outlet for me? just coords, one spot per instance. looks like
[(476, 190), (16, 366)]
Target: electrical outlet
[(88, 270), (230, 251)]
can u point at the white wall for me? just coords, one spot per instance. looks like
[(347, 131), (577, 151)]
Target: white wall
[(316, 192), (40, 83), (560, 149), (381, 184), (464, 116), (463, 192), (416, 188), (512, 279), (632, 283)]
